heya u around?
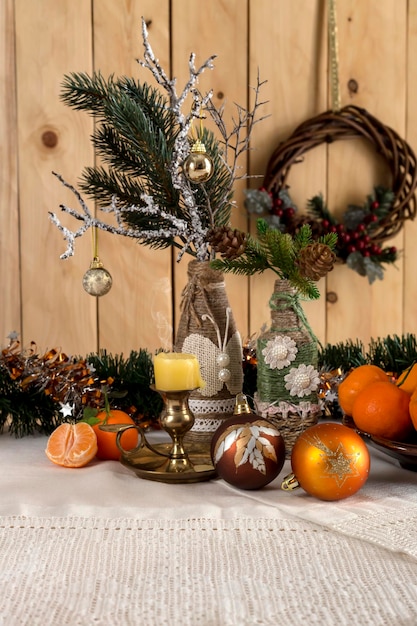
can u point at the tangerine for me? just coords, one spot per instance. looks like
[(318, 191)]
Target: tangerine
[(355, 382), (72, 445), (412, 407), (407, 380), (106, 442), (382, 410)]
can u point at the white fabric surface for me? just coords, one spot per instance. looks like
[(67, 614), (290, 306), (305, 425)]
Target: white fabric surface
[(98, 546)]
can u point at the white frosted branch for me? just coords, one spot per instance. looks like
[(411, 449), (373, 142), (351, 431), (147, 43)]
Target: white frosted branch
[(178, 227)]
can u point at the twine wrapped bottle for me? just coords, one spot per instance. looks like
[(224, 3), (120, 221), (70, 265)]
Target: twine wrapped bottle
[(208, 330), (287, 379)]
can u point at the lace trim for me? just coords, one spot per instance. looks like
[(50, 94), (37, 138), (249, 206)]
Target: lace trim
[(205, 407), (207, 424), (284, 409)]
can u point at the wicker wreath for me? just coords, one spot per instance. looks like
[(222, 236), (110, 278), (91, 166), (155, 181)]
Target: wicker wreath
[(352, 122)]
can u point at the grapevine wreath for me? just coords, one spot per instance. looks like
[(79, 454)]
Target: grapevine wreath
[(363, 230)]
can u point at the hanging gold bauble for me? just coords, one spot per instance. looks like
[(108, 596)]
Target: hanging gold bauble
[(97, 281), (198, 166)]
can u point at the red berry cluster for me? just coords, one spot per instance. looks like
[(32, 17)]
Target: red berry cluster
[(348, 240), (285, 213)]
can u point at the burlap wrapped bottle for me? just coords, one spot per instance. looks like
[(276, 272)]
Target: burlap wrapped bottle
[(208, 330), (287, 378)]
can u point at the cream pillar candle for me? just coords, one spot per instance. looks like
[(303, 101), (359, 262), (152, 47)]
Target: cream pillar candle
[(177, 371)]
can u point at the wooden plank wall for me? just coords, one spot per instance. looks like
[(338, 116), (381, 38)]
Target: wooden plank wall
[(41, 295)]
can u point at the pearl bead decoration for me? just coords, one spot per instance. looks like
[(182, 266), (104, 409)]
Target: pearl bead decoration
[(223, 359), (224, 375)]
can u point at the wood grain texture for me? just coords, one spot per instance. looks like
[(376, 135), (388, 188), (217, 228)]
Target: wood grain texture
[(42, 296), (372, 51), (217, 27), (137, 312), (10, 309), (287, 43), (409, 305), (53, 38)]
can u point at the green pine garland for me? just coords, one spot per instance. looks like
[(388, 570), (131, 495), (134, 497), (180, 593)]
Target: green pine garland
[(27, 409), (25, 412), (392, 353), (131, 385)]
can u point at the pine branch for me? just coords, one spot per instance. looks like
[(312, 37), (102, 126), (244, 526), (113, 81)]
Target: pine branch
[(142, 136), (318, 208), (271, 250), (392, 353), (343, 355)]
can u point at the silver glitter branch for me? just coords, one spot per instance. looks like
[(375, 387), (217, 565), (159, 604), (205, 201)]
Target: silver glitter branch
[(178, 227), (182, 144), (190, 231)]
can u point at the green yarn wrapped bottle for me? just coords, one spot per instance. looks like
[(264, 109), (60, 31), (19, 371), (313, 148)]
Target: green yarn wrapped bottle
[(287, 376)]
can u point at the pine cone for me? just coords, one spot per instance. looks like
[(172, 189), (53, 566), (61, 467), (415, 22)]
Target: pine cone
[(230, 242), (315, 260)]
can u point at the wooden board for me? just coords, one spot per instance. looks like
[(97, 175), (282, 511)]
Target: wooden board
[(10, 308), (220, 28), (293, 62), (137, 312), (52, 38), (409, 306), (367, 31), (42, 296)]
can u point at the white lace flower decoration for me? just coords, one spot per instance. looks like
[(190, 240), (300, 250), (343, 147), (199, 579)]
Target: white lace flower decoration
[(279, 352), (302, 380)]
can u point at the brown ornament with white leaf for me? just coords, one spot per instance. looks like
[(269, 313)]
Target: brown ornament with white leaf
[(247, 450)]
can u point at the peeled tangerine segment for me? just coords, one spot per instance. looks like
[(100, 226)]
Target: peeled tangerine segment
[(72, 445)]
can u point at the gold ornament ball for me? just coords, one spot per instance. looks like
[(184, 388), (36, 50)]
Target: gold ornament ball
[(198, 166), (329, 461), (97, 281)]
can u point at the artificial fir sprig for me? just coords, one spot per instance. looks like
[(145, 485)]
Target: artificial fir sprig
[(143, 137), (279, 252), (344, 355)]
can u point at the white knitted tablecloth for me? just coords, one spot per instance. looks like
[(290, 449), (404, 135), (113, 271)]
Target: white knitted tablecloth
[(98, 547)]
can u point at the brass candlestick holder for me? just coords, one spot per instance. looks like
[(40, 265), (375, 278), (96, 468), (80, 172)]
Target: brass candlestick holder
[(168, 461)]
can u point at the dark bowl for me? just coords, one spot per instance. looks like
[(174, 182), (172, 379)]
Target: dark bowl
[(405, 452)]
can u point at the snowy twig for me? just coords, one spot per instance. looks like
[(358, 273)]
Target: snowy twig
[(189, 231), (179, 228)]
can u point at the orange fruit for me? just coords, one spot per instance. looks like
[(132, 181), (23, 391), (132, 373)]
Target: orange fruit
[(355, 382), (106, 442), (72, 445), (382, 409), (413, 408), (407, 380)]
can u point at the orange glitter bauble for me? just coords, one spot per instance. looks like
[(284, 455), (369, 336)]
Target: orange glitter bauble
[(329, 461)]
